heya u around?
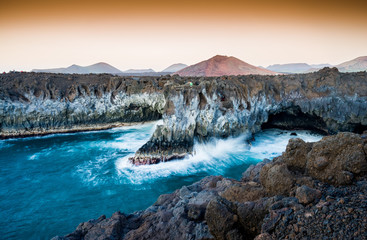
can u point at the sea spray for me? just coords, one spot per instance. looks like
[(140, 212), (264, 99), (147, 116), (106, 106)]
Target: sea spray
[(48, 185), (210, 157), (213, 157)]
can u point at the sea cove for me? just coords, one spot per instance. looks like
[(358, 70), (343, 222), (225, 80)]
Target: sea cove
[(50, 184)]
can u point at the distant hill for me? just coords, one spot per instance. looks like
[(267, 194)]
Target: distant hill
[(297, 67), (175, 67), (319, 66), (290, 68), (355, 65), (95, 68), (139, 71), (222, 65)]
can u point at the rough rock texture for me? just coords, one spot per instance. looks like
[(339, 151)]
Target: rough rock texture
[(326, 101), (256, 207), (307, 195), (42, 103), (337, 159)]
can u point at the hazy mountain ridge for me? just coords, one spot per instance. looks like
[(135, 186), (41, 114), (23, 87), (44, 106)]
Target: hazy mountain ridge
[(175, 67), (297, 67), (290, 67), (355, 65), (139, 71), (100, 67), (215, 66)]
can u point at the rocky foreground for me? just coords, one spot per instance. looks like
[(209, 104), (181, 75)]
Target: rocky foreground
[(312, 191)]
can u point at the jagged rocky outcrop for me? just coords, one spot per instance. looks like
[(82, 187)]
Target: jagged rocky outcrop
[(283, 198), (43, 103), (192, 108), (327, 101)]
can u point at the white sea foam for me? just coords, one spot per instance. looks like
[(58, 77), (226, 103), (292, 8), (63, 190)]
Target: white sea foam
[(94, 171), (271, 143), (34, 156), (97, 171), (5, 144), (213, 157), (41, 154)]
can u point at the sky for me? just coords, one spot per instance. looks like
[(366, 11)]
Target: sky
[(155, 34)]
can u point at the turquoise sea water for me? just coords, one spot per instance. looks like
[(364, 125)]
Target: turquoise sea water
[(48, 185)]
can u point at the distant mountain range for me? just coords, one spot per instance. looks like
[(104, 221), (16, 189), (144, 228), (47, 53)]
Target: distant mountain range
[(296, 67), (175, 67), (222, 65), (355, 65), (95, 68), (139, 71), (107, 68), (215, 66)]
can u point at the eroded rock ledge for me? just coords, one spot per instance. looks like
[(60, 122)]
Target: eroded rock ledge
[(44, 103), (325, 101), (313, 190)]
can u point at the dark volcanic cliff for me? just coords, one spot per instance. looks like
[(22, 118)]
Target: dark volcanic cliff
[(327, 101), (41, 103)]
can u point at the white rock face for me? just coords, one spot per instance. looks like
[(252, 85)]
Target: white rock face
[(85, 112), (231, 110)]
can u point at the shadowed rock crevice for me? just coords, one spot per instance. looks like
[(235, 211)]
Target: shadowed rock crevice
[(359, 128), (293, 118), (202, 101)]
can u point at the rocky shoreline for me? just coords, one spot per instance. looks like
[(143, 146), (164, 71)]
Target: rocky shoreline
[(43, 103), (319, 183), (38, 103), (79, 128), (327, 101), (312, 191)]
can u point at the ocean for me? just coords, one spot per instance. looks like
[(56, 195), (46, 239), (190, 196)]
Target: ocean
[(48, 185)]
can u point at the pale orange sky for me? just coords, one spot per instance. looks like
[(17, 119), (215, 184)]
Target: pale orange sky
[(155, 34)]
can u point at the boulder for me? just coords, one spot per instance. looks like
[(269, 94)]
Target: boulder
[(295, 154), (337, 159), (221, 218), (252, 173), (276, 178), (307, 195), (243, 192), (263, 236), (251, 215)]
